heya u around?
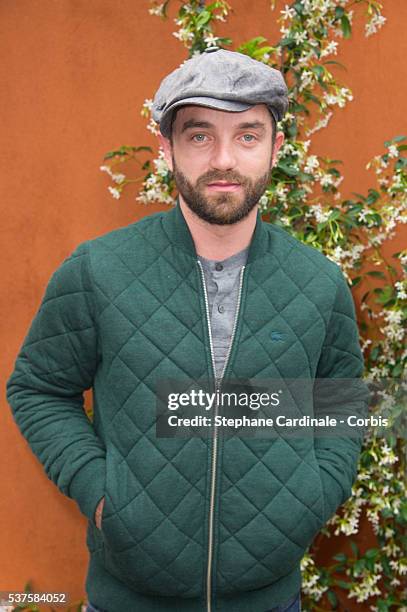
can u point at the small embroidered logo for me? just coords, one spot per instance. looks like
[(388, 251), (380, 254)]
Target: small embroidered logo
[(276, 335)]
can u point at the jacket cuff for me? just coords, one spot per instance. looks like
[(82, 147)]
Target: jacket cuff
[(88, 487)]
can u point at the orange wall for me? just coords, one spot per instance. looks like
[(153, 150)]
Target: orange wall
[(74, 74)]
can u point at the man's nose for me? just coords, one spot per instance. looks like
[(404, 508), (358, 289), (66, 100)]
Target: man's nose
[(223, 157)]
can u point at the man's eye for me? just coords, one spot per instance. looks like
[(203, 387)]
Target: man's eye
[(198, 136), (250, 136)]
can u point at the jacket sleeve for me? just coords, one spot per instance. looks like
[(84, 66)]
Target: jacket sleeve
[(56, 363), (344, 394)]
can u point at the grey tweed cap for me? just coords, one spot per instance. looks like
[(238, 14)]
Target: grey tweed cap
[(221, 79)]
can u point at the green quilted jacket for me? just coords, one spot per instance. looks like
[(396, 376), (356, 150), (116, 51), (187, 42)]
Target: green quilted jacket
[(206, 523)]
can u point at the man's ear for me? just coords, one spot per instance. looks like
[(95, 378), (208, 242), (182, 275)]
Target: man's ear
[(277, 145), (167, 148)]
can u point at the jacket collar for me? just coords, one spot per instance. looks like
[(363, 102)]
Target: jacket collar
[(179, 235)]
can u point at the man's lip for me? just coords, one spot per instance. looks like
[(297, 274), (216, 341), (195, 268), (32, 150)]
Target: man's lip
[(223, 183)]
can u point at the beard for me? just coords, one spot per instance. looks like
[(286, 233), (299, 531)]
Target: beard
[(221, 208)]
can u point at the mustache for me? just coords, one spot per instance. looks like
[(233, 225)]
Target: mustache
[(213, 177)]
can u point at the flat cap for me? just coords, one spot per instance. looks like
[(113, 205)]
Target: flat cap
[(221, 79)]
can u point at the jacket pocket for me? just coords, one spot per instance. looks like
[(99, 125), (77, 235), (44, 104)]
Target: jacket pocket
[(140, 535), (270, 517), (115, 530)]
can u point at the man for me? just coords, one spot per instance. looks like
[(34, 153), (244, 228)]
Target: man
[(205, 291)]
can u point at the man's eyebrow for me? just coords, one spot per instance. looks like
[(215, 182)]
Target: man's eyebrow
[(253, 125)]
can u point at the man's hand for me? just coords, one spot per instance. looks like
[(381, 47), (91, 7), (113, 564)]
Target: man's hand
[(98, 513)]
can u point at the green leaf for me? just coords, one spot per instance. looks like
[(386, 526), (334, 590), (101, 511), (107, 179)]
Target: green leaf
[(373, 196), (286, 42), (291, 171), (341, 557), (336, 63), (298, 8), (386, 513), (382, 606), (318, 70), (359, 566), (346, 27), (376, 274), (203, 18), (299, 108), (376, 218), (126, 150), (359, 195), (296, 193), (333, 600), (343, 584), (292, 130), (164, 9), (355, 549), (372, 553), (356, 281), (386, 295), (387, 143), (213, 6), (334, 214), (305, 177)]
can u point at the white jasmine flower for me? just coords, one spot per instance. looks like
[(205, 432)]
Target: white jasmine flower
[(374, 24), (148, 104), (156, 10), (287, 12), (394, 316), (401, 290), (393, 151), (326, 179), (307, 78), (321, 124), (115, 192), (153, 126), (300, 37), (330, 48), (281, 191), (118, 178), (312, 163), (106, 169), (184, 35), (211, 40), (319, 214)]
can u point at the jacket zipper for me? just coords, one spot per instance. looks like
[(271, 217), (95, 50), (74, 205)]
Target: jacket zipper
[(215, 437)]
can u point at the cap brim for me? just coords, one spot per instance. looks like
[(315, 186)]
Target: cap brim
[(226, 105)]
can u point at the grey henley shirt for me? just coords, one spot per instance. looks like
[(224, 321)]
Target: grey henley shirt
[(222, 279)]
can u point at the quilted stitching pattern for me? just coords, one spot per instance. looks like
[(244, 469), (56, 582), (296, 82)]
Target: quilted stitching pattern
[(126, 310)]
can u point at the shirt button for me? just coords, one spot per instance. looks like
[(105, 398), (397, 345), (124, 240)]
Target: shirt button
[(218, 267), (221, 308)]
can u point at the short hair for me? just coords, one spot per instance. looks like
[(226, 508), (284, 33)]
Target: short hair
[(273, 122)]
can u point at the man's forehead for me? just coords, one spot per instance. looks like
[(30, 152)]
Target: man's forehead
[(258, 113)]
